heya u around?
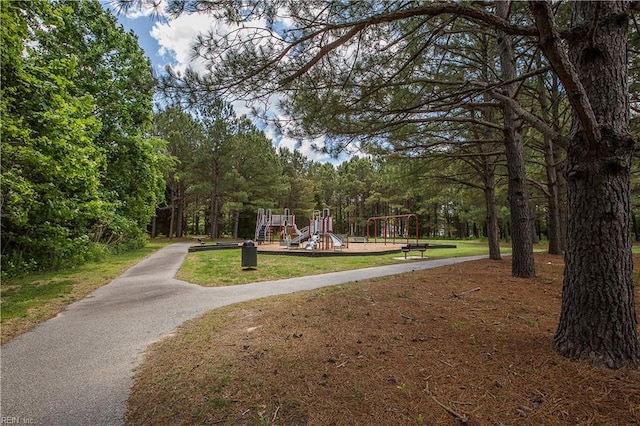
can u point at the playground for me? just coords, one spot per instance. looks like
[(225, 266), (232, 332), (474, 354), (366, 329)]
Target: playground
[(279, 233)]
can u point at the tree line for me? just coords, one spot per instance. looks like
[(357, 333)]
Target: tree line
[(226, 169)]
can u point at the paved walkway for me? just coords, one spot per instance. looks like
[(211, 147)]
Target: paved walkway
[(76, 369)]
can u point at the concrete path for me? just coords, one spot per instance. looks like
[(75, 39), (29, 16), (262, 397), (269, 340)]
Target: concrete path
[(76, 369)]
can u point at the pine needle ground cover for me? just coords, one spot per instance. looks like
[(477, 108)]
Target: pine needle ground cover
[(460, 344)]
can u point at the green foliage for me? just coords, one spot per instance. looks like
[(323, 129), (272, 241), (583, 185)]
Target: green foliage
[(76, 167), (113, 69), (50, 167), (225, 166)]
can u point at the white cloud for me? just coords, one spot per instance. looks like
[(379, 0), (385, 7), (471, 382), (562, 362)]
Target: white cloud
[(176, 37), (305, 148)]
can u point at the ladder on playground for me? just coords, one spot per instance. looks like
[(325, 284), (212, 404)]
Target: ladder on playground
[(262, 233), (262, 226)]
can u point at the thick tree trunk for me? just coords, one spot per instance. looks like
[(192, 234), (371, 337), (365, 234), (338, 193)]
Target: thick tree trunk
[(598, 321), (521, 227)]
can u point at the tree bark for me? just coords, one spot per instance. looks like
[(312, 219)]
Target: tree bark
[(598, 321), (215, 210), (489, 161), (554, 228), (493, 230), (236, 223), (521, 228), (172, 217), (558, 153)]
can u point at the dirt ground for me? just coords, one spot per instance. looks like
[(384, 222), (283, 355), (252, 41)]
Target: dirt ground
[(465, 344)]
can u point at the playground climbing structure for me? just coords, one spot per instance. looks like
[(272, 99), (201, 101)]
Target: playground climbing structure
[(318, 233), (268, 225)]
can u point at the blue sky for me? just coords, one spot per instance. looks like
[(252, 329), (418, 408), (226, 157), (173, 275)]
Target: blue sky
[(142, 26)]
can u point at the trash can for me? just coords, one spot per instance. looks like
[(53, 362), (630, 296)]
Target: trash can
[(249, 254)]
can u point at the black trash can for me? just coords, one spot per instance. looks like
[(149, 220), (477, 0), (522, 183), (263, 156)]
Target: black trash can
[(249, 254)]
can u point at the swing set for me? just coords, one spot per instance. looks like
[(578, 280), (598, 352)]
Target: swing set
[(392, 227)]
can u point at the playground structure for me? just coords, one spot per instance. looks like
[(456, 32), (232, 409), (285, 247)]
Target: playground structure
[(392, 227), (317, 238), (269, 224), (318, 234)]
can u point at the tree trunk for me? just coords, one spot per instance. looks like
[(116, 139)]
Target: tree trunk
[(180, 211), (554, 228), (154, 222), (172, 217), (598, 321), (215, 210), (535, 226), (521, 228), (196, 216), (558, 153), (488, 160), (215, 202), (493, 230), (236, 223)]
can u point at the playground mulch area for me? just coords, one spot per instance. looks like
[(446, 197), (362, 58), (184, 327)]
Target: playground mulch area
[(463, 344), (361, 248)]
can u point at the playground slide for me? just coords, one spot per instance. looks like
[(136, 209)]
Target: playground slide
[(335, 240), (303, 236), (313, 243)]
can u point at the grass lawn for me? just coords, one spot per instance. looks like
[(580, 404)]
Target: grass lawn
[(222, 267)]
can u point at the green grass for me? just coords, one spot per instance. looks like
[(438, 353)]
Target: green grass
[(223, 267), (30, 299)]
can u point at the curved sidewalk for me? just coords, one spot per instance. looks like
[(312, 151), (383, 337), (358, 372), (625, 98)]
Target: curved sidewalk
[(77, 368)]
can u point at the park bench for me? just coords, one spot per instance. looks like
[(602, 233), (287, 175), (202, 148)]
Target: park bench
[(421, 247)]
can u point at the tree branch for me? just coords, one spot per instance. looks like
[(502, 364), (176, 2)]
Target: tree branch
[(324, 50), (550, 44), (530, 118)]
